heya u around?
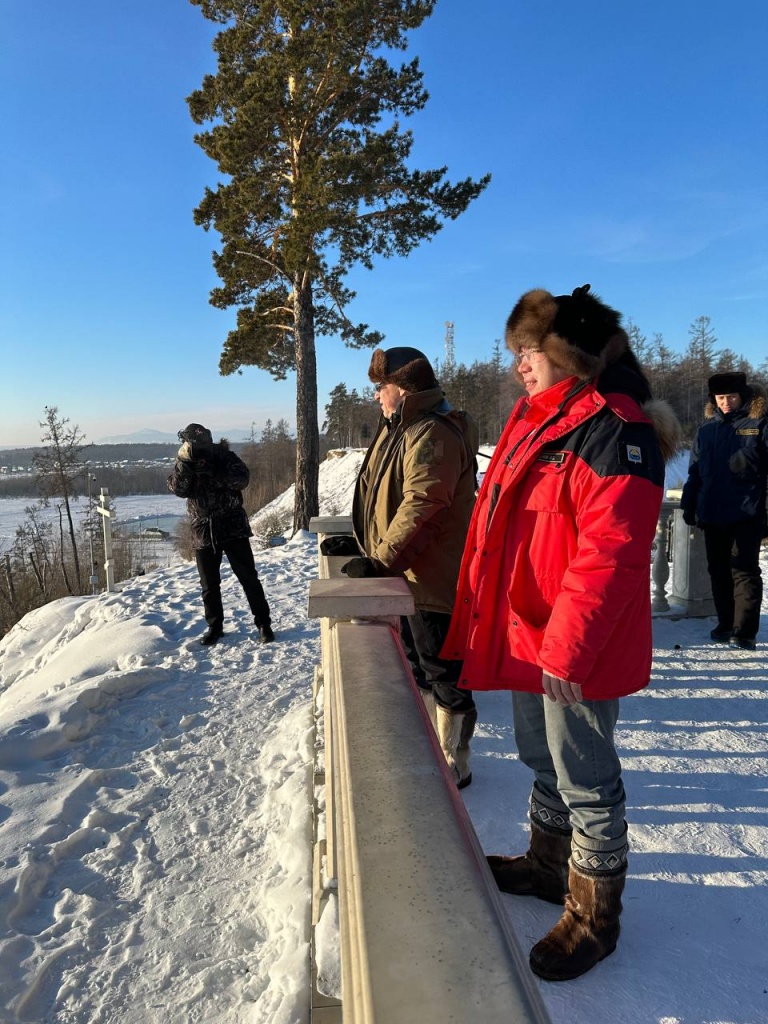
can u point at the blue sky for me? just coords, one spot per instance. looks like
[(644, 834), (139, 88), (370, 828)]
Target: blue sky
[(627, 144)]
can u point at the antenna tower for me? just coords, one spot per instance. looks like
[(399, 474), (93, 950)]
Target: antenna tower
[(450, 355)]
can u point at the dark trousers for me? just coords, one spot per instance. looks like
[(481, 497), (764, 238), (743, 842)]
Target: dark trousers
[(423, 635), (733, 562), (240, 557)]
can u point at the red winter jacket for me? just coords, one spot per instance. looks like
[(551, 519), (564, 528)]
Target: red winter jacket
[(556, 569)]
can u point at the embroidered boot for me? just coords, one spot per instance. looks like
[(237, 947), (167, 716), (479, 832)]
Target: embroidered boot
[(589, 928), (542, 871)]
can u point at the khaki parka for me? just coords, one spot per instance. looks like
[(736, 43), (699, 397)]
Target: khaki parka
[(415, 493)]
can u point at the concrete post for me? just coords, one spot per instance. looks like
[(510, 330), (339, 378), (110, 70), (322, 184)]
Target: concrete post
[(691, 586)]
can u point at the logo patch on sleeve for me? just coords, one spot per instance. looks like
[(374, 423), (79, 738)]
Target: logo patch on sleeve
[(631, 455)]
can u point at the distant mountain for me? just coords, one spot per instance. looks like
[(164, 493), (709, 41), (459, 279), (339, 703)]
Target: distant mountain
[(145, 436), (149, 436)]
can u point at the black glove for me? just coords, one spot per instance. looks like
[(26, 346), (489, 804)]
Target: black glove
[(339, 545), (689, 517), (358, 568)]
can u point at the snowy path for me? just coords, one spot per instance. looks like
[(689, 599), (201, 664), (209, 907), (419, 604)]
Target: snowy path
[(169, 874), (693, 748)]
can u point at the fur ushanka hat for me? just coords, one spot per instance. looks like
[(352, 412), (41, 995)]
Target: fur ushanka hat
[(577, 332), (196, 432), (728, 384), (404, 366)]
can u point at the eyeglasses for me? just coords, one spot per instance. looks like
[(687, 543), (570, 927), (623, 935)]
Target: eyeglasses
[(378, 387), (528, 353)]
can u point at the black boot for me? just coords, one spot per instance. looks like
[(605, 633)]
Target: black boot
[(266, 636), (542, 871), (588, 930), (211, 636), (721, 634)]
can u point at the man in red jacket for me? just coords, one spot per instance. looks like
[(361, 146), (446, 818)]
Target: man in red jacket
[(553, 602)]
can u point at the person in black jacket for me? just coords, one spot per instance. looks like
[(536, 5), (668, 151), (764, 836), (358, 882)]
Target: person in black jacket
[(725, 495), (212, 478)]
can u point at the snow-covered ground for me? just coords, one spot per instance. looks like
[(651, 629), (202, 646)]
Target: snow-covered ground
[(155, 814)]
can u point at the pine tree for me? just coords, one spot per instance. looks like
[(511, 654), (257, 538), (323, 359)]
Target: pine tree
[(303, 114), (698, 364)]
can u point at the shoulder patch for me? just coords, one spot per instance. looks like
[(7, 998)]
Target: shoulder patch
[(428, 451), (631, 455)]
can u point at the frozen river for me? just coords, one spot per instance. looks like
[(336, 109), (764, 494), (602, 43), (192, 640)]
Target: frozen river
[(135, 511)]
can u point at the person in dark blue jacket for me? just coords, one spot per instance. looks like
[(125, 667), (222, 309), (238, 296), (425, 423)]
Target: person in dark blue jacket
[(725, 495)]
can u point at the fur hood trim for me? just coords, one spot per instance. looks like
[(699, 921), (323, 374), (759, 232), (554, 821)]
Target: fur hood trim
[(666, 426), (757, 407)]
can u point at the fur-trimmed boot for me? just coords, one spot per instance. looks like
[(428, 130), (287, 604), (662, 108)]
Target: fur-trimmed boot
[(588, 930), (429, 703), (455, 732), (542, 871)]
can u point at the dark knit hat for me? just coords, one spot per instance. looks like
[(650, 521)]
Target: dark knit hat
[(577, 332), (727, 384), (406, 367), (196, 432)]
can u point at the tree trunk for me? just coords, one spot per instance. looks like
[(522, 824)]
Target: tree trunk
[(306, 504), (73, 542), (38, 574), (63, 556)]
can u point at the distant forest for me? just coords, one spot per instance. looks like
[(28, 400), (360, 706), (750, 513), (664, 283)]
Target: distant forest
[(489, 389)]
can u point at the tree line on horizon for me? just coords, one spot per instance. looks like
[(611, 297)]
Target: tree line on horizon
[(488, 389)]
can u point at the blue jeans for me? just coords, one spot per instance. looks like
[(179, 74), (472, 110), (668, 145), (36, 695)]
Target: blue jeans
[(577, 770)]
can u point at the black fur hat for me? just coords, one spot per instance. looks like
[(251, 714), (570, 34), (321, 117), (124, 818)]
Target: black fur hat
[(196, 432), (578, 332), (728, 384), (404, 366)]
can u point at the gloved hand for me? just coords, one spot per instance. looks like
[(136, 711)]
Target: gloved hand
[(689, 517), (339, 545), (185, 452), (358, 568)]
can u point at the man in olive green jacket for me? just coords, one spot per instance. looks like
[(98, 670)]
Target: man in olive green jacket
[(413, 501)]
